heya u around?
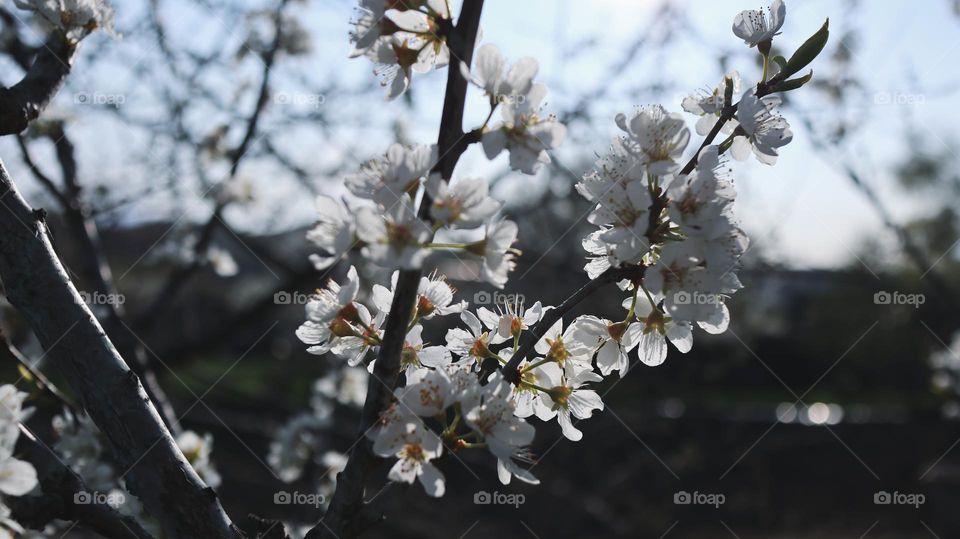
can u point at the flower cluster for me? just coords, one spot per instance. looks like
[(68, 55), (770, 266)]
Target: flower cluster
[(303, 438), (407, 204), (401, 37), (665, 231), (524, 131), (75, 18)]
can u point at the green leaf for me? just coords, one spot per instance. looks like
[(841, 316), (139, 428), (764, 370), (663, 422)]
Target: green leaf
[(807, 52), (780, 61), (793, 84)]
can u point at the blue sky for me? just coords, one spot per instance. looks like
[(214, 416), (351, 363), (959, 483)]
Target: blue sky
[(801, 212)]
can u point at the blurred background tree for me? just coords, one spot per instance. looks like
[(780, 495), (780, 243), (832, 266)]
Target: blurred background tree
[(179, 164)]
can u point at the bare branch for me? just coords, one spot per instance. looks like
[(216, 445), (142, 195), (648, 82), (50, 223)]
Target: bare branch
[(182, 276), (37, 285)]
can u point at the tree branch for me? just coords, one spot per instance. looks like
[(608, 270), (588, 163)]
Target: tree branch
[(727, 114), (93, 262), (60, 486), (347, 515), (37, 285), (179, 278), (22, 103), (41, 381), (530, 338)]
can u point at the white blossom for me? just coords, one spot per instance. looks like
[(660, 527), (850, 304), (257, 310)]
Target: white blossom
[(506, 434), (399, 171), (371, 25), (524, 132), (499, 84), (709, 105), (401, 42), (474, 344), (765, 130), (601, 256), (656, 330), (334, 233), (17, 477), (415, 355), (77, 18), (526, 397), (515, 319), (496, 250), (623, 211), (568, 398), (700, 202), (394, 238), (346, 386), (612, 341), (565, 348), (330, 313), (414, 446), (660, 137), (428, 392), (754, 26), (354, 346), (464, 204), (197, 449), (434, 297)]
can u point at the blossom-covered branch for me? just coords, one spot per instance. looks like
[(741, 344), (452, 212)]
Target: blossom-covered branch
[(22, 103), (346, 516), (665, 234)]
